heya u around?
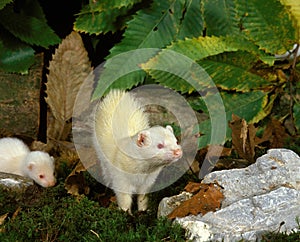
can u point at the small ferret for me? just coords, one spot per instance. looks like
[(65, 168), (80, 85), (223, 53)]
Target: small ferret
[(16, 158)]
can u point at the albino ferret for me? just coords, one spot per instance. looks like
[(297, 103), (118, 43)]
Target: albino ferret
[(16, 158), (135, 152)]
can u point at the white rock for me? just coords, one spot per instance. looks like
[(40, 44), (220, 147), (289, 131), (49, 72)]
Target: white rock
[(261, 198), (279, 167)]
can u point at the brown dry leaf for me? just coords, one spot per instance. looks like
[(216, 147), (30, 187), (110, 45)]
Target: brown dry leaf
[(16, 213), (192, 187), (243, 137), (75, 182), (274, 133), (2, 218), (68, 69), (208, 199)]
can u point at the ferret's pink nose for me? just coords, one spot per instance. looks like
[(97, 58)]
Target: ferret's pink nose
[(52, 183), (177, 153)]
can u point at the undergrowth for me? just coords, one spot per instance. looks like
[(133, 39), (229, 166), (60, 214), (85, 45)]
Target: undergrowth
[(53, 215)]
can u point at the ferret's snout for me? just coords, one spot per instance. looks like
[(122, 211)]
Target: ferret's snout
[(177, 153)]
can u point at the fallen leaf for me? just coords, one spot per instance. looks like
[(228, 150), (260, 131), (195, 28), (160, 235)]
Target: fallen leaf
[(16, 213), (2, 218), (243, 137), (192, 187), (208, 199), (274, 133), (75, 183)]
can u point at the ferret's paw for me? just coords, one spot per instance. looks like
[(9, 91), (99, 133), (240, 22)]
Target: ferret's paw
[(142, 202)]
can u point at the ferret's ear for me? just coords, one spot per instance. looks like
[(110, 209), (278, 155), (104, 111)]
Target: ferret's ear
[(30, 166), (169, 127), (143, 138)]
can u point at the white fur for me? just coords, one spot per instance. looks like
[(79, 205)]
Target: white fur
[(16, 158), (133, 159)]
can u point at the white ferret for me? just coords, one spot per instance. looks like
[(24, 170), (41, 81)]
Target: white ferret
[(16, 158), (134, 152)]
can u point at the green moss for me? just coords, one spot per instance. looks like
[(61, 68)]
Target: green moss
[(53, 215)]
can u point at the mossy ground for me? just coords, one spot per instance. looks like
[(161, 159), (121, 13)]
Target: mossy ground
[(54, 215)]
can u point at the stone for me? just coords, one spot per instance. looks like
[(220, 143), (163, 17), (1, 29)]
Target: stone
[(260, 198), (279, 167), (168, 204), (15, 183)]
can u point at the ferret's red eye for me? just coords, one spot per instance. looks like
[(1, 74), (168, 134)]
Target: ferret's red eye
[(160, 146), (41, 176)]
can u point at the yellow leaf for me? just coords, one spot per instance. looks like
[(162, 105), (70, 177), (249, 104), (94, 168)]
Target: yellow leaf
[(294, 10)]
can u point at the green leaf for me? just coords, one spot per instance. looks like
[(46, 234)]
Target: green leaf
[(228, 70), (178, 72), (122, 71), (27, 28), (202, 47), (232, 71), (104, 5), (4, 2), (32, 8), (15, 56), (221, 17), (191, 19), (250, 106), (158, 26), (294, 10), (267, 24), (100, 21)]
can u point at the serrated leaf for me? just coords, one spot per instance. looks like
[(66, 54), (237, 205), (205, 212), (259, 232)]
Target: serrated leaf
[(27, 28), (159, 25), (249, 106), (156, 27), (232, 71), (229, 70), (267, 24), (32, 8), (221, 17), (68, 69), (252, 106), (202, 47), (15, 56), (4, 2), (122, 71), (177, 71), (100, 21), (191, 20), (103, 16), (104, 5)]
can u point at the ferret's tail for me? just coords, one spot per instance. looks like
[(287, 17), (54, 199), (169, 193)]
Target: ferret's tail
[(119, 115)]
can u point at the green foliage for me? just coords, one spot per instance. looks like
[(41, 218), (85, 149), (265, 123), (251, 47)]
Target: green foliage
[(234, 42), (21, 28), (103, 16)]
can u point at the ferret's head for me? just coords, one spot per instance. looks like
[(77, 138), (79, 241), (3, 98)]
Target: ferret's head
[(160, 144), (39, 166)]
